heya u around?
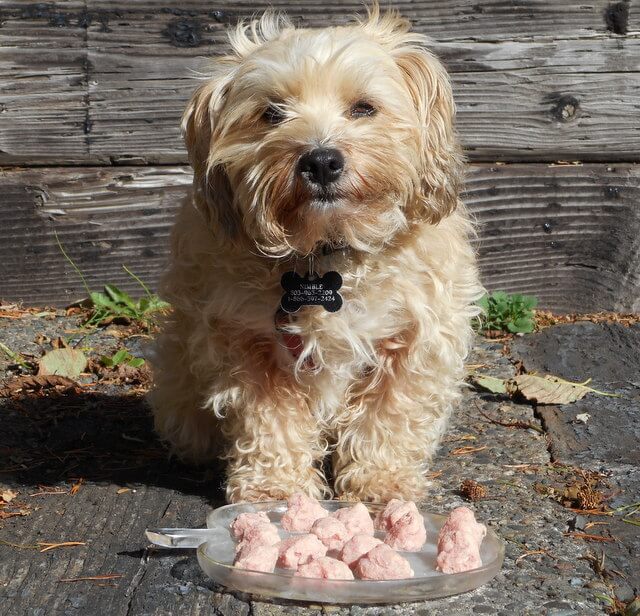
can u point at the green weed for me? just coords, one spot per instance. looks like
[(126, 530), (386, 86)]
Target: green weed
[(508, 313), (113, 304), (121, 357)]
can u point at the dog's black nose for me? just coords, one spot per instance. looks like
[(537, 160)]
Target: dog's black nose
[(321, 166)]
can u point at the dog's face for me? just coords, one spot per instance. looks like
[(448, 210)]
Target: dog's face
[(340, 136)]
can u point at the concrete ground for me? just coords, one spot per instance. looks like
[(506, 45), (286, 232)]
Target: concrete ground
[(81, 464)]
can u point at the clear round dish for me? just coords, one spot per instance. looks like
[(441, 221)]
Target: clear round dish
[(216, 560)]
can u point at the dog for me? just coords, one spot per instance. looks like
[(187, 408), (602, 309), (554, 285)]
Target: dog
[(318, 154)]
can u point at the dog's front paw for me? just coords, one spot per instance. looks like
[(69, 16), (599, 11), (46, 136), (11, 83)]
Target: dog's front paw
[(370, 483), (247, 486)]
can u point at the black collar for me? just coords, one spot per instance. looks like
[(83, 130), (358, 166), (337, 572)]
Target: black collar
[(330, 249)]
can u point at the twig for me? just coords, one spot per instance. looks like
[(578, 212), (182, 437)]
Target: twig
[(510, 424), (19, 546), (463, 451), (91, 578), (54, 546), (589, 537), (531, 553), (634, 522)]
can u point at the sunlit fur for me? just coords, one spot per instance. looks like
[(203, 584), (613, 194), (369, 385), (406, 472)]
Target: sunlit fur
[(388, 366)]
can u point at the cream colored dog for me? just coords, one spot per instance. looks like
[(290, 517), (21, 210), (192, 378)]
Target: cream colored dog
[(318, 150)]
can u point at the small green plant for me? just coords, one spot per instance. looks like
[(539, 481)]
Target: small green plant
[(509, 313), (121, 357), (116, 304), (16, 358)]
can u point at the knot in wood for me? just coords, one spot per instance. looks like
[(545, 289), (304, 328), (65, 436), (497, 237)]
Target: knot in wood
[(565, 108)]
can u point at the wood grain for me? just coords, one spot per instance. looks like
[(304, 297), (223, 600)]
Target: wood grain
[(567, 234), (106, 82)]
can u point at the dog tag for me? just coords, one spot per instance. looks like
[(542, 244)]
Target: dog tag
[(311, 290)]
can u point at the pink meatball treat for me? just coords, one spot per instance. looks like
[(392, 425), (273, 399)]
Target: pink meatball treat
[(300, 550), (356, 519), (333, 533), (261, 534), (245, 521), (459, 542), (407, 533), (356, 547), (382, 563), (302, 512), (257, 557), (394, 510), (325, 568)]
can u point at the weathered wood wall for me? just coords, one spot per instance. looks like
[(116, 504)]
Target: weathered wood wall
[(91, 93)]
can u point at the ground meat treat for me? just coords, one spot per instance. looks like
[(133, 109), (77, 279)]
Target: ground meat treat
[(333, 533), (356, 547), (300, 550), (256, 557), (382, 563), (325, 568), (394, 510), (302, 512), (459, 542), (407, 533), (261, 534), (356, 519), (246, 521)]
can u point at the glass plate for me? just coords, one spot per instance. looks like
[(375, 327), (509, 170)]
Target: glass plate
[(216, 559)]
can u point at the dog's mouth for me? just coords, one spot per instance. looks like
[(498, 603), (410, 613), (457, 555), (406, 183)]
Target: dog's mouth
[(326, 197)]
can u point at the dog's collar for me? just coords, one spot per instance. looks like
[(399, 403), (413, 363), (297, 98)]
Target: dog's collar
[(327, 249)]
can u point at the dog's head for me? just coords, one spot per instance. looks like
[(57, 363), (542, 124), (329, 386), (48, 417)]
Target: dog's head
[(341, 135)]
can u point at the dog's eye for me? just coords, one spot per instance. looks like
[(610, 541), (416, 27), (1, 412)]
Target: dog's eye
[(362, 109), (273, 115)]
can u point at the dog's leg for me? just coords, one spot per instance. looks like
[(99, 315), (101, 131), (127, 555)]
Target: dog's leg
[(396, 418), (275, 449), (177, 399)]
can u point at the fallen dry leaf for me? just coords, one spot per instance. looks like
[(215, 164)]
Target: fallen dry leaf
[(123, 490), (62, 362), (546, 389), (36, 385), (8, 495), (490, 383)]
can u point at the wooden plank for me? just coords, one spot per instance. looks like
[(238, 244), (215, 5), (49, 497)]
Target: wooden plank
[(105, 217), (43, 86), (537, 80), (567, 234)]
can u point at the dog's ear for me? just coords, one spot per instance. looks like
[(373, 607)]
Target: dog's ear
[(200, 127), (440, 158)]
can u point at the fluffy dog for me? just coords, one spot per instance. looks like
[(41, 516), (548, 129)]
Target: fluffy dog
[(318, 150)]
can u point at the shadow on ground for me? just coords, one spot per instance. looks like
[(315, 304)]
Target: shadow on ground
[(98, 437)]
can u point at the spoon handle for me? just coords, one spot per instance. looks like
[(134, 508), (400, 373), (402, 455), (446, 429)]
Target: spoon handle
[(178, 537)]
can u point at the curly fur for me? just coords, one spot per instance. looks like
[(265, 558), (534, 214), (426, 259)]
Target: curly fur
[(388, 366)]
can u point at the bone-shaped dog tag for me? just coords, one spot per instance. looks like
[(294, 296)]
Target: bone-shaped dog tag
[(311, 290)]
